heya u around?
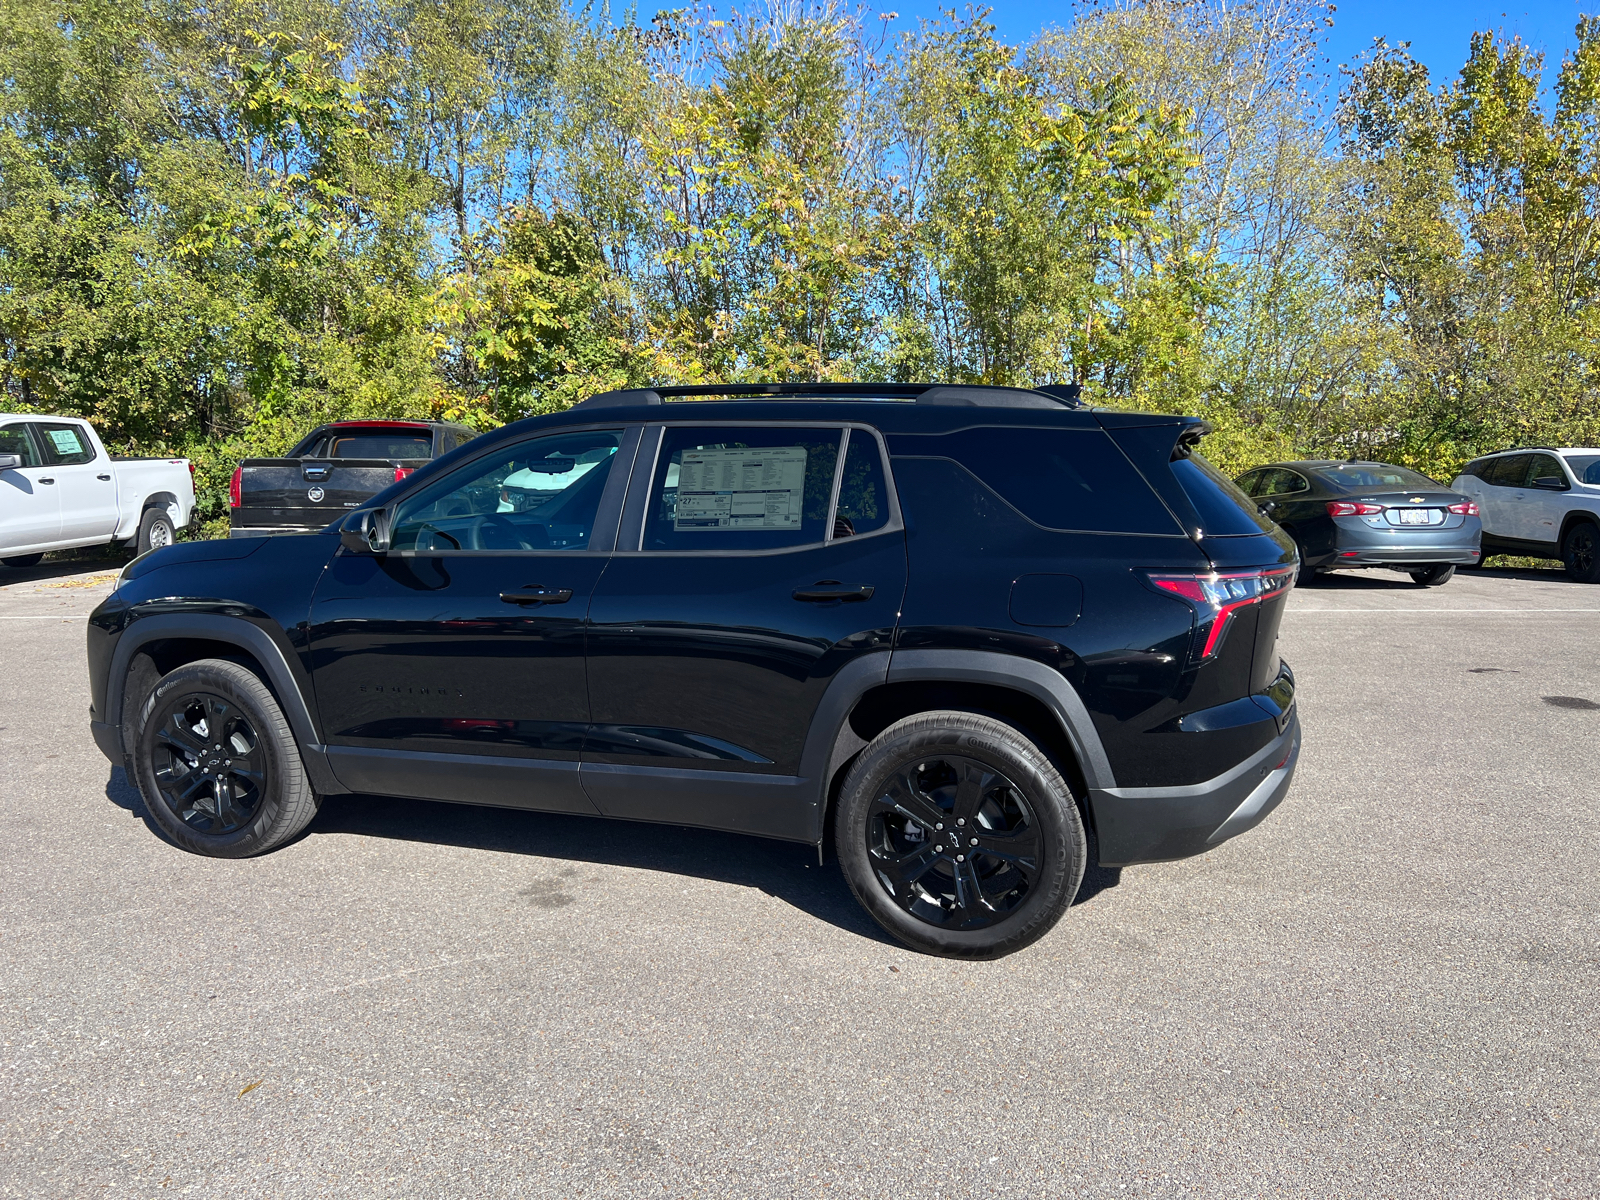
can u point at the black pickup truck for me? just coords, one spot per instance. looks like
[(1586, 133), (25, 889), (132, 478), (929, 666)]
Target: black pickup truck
[(335, 468)]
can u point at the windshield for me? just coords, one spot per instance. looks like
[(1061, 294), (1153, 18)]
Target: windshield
[(1585, 466), (1374, 475)]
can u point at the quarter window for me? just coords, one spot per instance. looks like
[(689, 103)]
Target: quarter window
[(746, 488), (1508, 471), (863, 493), (541, 494)]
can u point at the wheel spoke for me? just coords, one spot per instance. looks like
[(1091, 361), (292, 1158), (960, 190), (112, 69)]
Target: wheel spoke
[(228, 813), (176, 733), (969, 890), (903, 796), (1020, 849), (903, 870), (969, 790)]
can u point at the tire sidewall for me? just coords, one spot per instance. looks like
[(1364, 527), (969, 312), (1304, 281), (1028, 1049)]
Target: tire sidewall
[(1007, 751), (259, 834), (1592, 575), (152, 518)]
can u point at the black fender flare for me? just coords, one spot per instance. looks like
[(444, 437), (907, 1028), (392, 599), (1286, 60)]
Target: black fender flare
[(1574, 517), (831, 741), (248, 637)]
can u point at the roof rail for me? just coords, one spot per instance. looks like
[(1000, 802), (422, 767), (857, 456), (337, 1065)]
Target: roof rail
[(974, 395)]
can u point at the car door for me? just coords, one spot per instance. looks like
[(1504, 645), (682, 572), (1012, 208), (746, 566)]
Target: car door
[(1502, 485), (30, 502), (755, 563), (452, 665), (84, 482), (1541, 502)]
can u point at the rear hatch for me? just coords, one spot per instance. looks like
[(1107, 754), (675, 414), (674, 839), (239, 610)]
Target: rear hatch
[(1240, 609)]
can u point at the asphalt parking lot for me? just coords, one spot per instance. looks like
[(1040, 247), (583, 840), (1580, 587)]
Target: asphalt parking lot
[(1391, 988)]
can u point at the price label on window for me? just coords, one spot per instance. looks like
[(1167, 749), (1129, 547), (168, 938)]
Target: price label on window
[(66, 441), (741, 489)]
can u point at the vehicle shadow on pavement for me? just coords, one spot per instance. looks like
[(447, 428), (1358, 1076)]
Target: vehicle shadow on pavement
[(1390, 581), (786, 871), (125, 794), (52, 568)]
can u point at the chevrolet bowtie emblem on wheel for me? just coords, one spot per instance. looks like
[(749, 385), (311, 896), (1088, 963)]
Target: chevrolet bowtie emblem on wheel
[(314, 495)]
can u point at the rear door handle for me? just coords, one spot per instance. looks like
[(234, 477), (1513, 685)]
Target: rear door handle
[(538, 595), (47, 481), (831, 589)]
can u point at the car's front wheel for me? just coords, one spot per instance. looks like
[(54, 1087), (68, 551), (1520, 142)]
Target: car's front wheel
[(217, 762), (959, 835), (1580, 552), (1433, 574)]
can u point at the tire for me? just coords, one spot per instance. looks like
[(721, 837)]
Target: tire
[(1434, 574), (223, 813), (23, 561), (1580, 552), (931, 773), (155, 531)]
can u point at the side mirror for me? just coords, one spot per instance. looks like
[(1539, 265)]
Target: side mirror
[(1551, 483), (366, 532), (10, 462)]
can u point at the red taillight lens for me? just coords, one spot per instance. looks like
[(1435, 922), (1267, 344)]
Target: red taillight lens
[(401, 472), (191, 469), (1216, 597), (1353, 508), (235, 488), (1467, 508)]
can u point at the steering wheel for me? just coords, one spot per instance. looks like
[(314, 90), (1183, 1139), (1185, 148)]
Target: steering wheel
[(503, 527)]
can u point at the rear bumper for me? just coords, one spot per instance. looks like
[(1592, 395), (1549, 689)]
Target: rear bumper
[(1135, 825), (1358, 544)]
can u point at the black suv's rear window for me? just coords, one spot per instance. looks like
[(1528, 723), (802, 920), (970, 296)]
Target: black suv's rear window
[(1069, 479), (1224, 510), (379, 444)]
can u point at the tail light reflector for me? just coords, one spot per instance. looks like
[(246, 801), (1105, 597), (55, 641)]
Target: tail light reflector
[(1467, 508), (1216, 597), (1353, 508), (401, 472), (236, 488)]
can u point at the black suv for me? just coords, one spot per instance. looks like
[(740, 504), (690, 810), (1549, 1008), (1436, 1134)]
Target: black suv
[(961, 625)]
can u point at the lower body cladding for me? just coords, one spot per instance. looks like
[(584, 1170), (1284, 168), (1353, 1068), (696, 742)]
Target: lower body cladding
[(1135, 825)]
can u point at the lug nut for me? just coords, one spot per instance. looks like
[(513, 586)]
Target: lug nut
[(961, 858), (961, 820), (974, 841), (940, 825), (938, 849)]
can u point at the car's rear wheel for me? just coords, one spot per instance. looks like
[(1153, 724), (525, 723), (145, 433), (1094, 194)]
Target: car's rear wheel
[(959, 835), (22, 561), (155, 530), (1580, 552), (217, 762), (1433, 574)]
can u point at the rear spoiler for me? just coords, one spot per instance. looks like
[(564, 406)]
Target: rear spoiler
[(1152, 442)]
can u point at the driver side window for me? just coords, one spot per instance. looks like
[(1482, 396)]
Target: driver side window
[(539, 494)]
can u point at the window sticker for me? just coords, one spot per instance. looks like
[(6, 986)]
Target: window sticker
[(741, 489), (66, 441)]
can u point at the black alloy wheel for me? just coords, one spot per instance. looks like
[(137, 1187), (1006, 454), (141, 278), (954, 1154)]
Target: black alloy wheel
[(217, 763), (959, 835), (1580, 552), (209, 764), (953, 842)]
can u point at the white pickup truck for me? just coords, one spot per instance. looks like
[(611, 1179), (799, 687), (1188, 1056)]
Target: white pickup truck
[(60, 489)]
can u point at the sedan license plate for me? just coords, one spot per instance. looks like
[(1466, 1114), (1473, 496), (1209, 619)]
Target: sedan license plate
[(1415, 516)]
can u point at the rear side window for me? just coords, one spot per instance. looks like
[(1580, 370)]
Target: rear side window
[(863, 494), (64, 445), (1067, 479), (374, 443), (748, 488), (1507, 471), (1224, 510), (14, 439)]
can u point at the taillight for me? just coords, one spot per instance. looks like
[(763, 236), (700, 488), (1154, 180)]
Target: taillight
[(1216, 597), (1467, 508), (401, 472), (1353, 508), (236, 488), (191, 470)]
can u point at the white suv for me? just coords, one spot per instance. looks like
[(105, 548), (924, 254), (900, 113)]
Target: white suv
[(1540, 502)]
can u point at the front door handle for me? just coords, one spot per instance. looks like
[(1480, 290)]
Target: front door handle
[(831, 589), (538, 595), (106, 477), (47, 481)]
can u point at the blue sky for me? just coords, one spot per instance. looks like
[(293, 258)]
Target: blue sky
[(1437, 29)]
